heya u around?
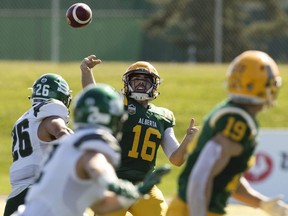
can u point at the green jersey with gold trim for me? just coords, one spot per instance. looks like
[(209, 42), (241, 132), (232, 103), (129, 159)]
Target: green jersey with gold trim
[(238, 125), (142, 135)]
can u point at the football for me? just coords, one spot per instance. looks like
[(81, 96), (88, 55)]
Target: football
[(79, 15)]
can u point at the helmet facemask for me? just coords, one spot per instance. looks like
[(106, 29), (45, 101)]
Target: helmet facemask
[(272, 91), (141, 87), (149, 78)]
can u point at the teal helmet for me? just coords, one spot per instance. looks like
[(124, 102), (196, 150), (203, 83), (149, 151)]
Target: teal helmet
[(51, 86), (99, 106)]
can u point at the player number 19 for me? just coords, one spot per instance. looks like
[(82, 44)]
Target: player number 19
[(235, 129)]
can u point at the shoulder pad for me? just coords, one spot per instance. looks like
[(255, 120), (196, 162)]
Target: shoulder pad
[(51, 108), (164, 112), (100, 141), (236, 111)]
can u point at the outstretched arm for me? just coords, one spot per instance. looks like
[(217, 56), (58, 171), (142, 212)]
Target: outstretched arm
[(246, 194), (125, 193), (118, 193), (86, 70)]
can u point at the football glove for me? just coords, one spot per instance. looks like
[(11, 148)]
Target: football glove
[(129, 194), (124, 188), (153, 178), (127, 189), (275, 206)]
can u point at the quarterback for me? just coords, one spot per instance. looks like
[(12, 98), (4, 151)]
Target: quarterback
[(148, 127)]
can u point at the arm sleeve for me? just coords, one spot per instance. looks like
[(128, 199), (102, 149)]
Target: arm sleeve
[(169, 142), (198, 179)]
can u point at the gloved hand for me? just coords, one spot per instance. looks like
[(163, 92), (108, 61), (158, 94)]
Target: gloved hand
[(129, 193), (153, 178), (125, 189), (275, 206)]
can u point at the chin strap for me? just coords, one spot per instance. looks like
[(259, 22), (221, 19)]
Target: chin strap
[(140, 96)]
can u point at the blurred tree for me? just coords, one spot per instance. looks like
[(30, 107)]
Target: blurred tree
[(247, 24)]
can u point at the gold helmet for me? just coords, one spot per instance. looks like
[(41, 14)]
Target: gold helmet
[(141, 67), (253, 78)]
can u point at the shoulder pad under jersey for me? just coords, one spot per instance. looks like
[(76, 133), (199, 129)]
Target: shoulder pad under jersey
[(99, 141), (51, 108), (234, 111), (167, 114)]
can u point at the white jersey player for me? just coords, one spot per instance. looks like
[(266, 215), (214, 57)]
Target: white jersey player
[(34, 132), (80, 172)]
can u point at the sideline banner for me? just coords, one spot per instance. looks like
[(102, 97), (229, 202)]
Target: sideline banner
[(269, 175)]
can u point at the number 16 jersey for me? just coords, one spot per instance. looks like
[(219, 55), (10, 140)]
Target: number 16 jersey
[(142, 135)]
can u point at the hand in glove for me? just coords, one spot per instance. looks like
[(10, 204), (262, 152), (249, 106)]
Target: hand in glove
[(128, 193), (153, 178), (275, 207)]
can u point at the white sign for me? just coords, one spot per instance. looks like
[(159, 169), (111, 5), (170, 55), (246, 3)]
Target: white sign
[(269, 175)]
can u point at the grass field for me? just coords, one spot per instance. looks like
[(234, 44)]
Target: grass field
[(189, 90), (232, 210)]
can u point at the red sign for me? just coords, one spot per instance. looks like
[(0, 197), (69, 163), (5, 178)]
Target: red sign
[(261, 169)]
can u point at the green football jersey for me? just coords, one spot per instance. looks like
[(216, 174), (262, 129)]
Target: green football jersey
[(142, 135), (239, 126)]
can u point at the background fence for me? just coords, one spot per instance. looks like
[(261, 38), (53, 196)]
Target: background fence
[(154, 30)]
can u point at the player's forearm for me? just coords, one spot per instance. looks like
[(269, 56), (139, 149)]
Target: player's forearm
[(87, 77), (246, 194), (86, 70), (178, 157)]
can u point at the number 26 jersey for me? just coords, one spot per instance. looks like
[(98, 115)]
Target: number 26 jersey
[(28, 151)]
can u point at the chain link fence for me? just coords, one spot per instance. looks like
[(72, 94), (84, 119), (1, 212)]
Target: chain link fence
[(154, 30)]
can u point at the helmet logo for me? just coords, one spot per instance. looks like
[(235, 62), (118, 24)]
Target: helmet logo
[(43, 80), (96, 117)]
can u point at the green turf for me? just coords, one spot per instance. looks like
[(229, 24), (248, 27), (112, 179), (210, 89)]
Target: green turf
[(189, 90)]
